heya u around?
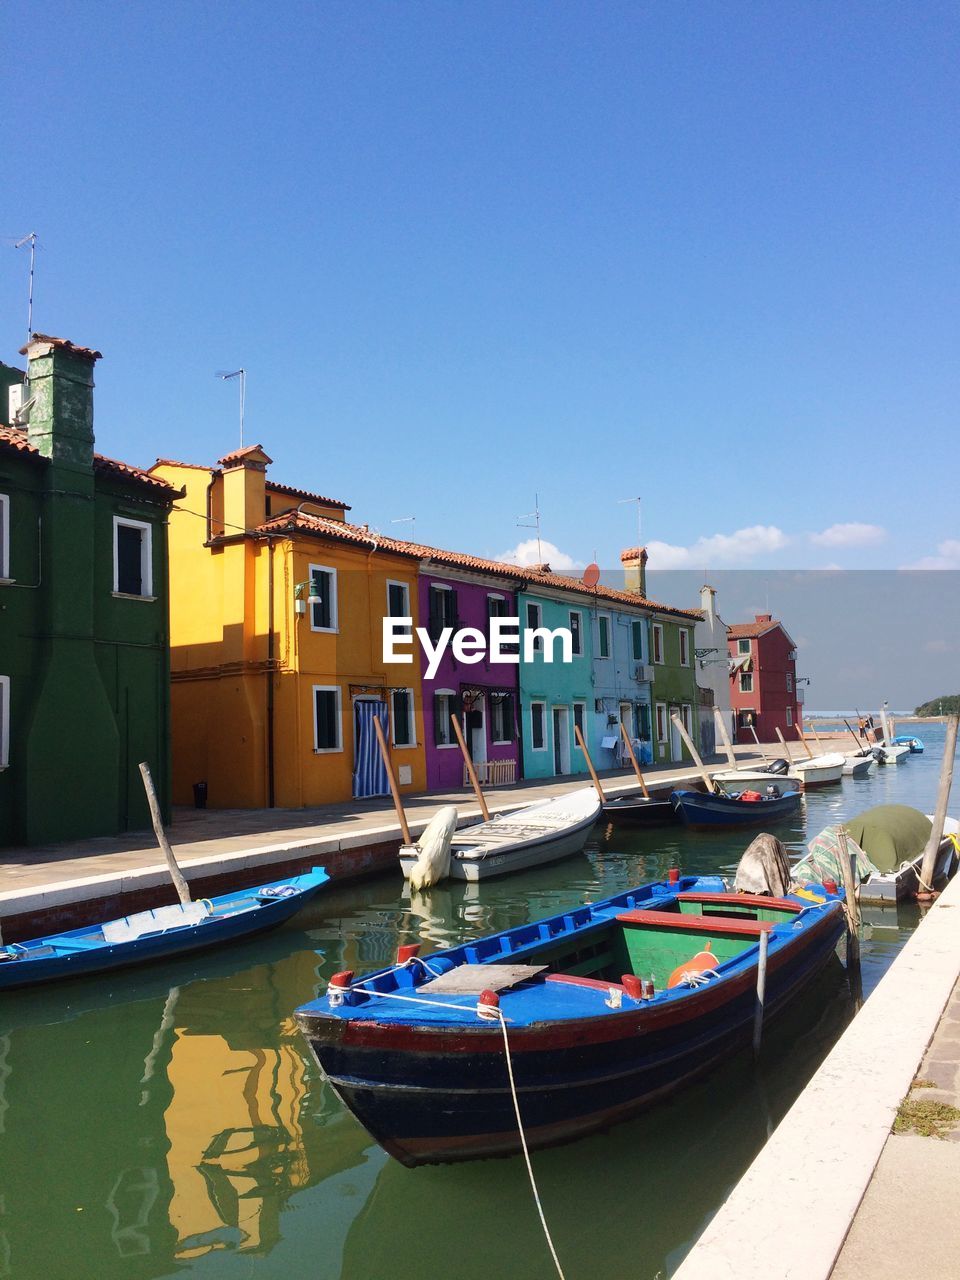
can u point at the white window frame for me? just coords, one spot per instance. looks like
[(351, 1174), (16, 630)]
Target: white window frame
[(146, 558), (657, 628), (494, 741), (4, 722), (403, 746), (746, 675), (328, 688), (405, 588), (609, 654), (684, 638), (4, 537), (539, 702), (660, 723), (452, 745), (334, 627), (579, 614), (789, 717), (579, 702), (686, 717), (740, 647)]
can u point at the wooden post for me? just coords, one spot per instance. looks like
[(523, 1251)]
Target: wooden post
[(763, 754), (886, 725), (929, 865), (861, 742), (471, 771), (391, 778), (176, 875), (804, 741), (848, 870), (722, 726), (586, 755), (761, 992), (816, 736), (633, 759), (695, 754)]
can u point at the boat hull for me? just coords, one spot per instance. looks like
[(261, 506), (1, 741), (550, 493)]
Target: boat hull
[(572, 1077), (79, 953), (635, 811), (701, 810), (859, 766)]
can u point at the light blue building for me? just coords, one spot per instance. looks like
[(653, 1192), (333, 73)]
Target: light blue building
[(621, 684)]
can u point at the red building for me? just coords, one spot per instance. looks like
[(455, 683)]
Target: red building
[(763, 680)]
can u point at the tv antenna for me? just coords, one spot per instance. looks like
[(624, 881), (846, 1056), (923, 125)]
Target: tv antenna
[(533, 515), (639, 503), (31, 240), (411, 521), (242, 375)]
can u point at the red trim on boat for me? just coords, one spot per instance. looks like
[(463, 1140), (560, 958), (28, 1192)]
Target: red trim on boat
[(576, 981), (742, 900), (697, 924)]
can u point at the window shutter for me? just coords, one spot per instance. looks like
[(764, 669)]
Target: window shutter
[(453, 616), (509, 728), (434, 625), (439, 719)]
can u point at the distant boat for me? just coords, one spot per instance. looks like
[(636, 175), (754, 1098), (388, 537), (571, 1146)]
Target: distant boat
[(820, 771), (528, 837), (162, 933), (858, 764), (605, 1008), (893, 752), (759, 777), (907, 740), (699, 809)]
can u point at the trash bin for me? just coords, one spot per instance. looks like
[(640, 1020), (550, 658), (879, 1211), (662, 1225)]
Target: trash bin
[(199, 795)]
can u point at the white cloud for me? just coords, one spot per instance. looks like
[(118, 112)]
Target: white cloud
[(853, 534), (718, 549), (947, 557), (532, 552)]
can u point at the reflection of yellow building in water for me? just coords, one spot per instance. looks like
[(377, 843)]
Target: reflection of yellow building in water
[(236, 1142)]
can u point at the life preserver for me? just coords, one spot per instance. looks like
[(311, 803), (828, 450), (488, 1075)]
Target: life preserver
[(700, 963)]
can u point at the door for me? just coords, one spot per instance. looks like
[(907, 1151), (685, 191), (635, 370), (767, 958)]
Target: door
[(475, 732), (676, 742), (369, 771), (561, 740)]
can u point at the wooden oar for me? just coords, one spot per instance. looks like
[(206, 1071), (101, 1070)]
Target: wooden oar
[(471, 771), (694, 753), (391, 778), (176, 875), (586, 755), (633, 760)]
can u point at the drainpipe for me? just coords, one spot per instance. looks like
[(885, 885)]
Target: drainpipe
[(271, 791)]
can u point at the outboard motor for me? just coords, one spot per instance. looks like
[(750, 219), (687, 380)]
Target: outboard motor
[(773, 792), (778, 766)]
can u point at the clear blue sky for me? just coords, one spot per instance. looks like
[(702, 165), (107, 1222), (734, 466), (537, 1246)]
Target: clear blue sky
[(705, 253)]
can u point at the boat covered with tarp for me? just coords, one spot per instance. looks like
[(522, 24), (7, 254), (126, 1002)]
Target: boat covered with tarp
[(572, 1022)]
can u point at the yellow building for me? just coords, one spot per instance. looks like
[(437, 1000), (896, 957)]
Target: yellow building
[(276, 608)]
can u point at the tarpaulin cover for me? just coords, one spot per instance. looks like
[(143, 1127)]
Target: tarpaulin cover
[(891, 834), (822, 860)]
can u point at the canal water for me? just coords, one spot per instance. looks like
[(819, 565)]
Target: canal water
[(170, 1121)]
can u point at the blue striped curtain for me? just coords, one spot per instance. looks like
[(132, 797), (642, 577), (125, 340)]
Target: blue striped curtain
[(369, 772)]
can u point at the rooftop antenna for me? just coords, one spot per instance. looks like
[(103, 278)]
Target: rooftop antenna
[(533, 515), (638, 501), (242, 375), (31, 240), (411, 521)]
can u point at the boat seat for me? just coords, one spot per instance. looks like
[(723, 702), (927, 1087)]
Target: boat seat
[(697, 924), (740, 900), (576, 981)]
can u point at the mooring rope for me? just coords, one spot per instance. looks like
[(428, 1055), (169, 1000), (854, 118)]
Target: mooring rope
[(523, 1141)]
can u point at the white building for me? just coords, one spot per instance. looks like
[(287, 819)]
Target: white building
[(713, 670)]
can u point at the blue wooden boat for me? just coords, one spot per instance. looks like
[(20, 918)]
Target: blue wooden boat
[(908, 740), (158, 934), (700, 809), (583, 1004)]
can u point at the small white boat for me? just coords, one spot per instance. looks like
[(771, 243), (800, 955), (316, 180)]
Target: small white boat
[(893, 752), (858, 764), (756, 780), (820, 771), (527, 837)]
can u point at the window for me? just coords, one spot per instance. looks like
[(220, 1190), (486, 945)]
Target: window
[(661, 722), (4, 536), (323, 585), (4, 721), (132, 558), (746, 682), (534, 620), (643, 721), (401, 712), (743, 646), (576, 622), (789, 717), (501, 717), (398, 603), (658, 645), (684, 647), (744, 719), (444, 707), (443, 610), (499, 607), (789, 683), (603, 635), (538, 736), (580, 719), (637, 638), (686, 712), (326, 718)]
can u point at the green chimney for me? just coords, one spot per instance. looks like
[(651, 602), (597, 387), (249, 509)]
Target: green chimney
[(61, 388)]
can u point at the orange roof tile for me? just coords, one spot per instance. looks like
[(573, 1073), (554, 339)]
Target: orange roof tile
[(63, 344), (16, 438)]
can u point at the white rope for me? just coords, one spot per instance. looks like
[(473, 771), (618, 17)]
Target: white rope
[(523, 1142)]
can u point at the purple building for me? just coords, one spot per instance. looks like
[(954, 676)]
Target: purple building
[(484, 695)]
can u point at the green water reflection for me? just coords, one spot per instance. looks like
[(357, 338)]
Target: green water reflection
[(170, 1122)]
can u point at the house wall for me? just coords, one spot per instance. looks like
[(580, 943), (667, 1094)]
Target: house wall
[(557, 684), (674, 686), (444, 763), (614, 682), (770, 698)]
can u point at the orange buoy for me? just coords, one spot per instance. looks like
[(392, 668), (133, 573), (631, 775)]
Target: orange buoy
[(699, 963)]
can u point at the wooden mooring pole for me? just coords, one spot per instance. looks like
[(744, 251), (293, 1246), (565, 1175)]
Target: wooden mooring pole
[(694, 753), (848, 871), (763, 753), (725, 737), (471, 771), (761, 993), (391, 778), (176, 875), (586, 755), (633, 760), (928, 867)]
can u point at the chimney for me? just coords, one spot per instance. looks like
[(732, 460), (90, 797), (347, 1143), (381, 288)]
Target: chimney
[(244, 489), (708, 603), (634, 561), (543, 567), (763, 619), (61, 389)]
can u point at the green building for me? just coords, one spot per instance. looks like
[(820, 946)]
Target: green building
[(84, 642)]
